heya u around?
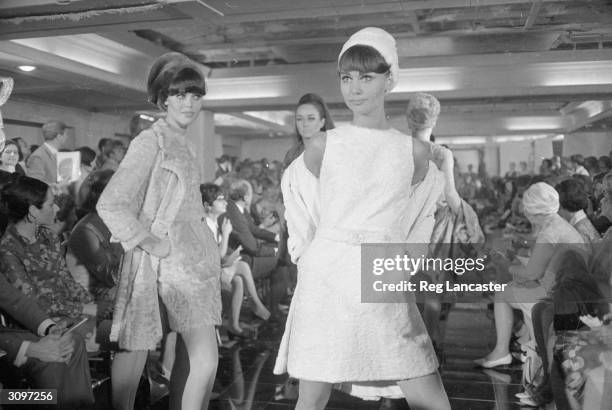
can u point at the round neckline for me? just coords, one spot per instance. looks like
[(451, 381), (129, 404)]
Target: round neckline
[(371, 129)]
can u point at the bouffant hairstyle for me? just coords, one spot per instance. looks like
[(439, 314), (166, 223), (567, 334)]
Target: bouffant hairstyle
[(210, 192), (21, 193), (88, 155), (316, 101), (572, 195), (173, 74), (364, 59)]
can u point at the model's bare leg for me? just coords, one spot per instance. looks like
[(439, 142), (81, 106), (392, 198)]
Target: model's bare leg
[(244, 271), (313, 395), (237, 296), (425, 393)]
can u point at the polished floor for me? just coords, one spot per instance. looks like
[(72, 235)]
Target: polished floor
[(245, 379)]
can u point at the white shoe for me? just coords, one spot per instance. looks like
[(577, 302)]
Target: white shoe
[(487, 364), (522, 395), (528, 401)]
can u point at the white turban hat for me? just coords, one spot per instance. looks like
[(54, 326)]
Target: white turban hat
[(541, 198), (382, 42)]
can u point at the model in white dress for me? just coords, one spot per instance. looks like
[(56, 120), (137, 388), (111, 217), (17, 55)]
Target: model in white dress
[(365, 196)]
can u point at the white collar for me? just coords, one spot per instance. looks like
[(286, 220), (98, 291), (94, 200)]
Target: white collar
[(241, 207), (577, 217)]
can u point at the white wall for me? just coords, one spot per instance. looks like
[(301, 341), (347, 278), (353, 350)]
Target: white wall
[(588, 143), (270, 148), (88, 127)]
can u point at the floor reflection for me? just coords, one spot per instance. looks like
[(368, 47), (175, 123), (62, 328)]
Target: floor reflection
[(245, 379)]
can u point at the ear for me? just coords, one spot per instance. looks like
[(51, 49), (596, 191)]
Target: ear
[(33, 211)]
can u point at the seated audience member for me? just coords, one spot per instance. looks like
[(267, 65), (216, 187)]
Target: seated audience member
[(603, 218), (104, 146), (532, 282), (269, 207), (11, 155), (31, 255), (42, 164), (35, 345), (236, 274), (573, 201), (578, 165), (114, 156), (90, 247), (25, 152), (245, 233), (88, 157)]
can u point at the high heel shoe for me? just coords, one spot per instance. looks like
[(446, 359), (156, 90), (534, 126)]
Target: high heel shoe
[(488, 364)]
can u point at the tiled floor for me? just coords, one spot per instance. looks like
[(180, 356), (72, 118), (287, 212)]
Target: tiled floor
[(245, 379)]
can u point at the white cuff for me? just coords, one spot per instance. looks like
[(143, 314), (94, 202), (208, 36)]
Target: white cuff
[(43, 326), (21, 357)]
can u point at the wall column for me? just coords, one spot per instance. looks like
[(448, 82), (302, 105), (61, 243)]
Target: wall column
[(207, 144)]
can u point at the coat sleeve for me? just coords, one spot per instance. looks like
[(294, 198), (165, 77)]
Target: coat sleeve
[(11, 341), (20, 307), (122, 198), (241, 234), (301, 224)]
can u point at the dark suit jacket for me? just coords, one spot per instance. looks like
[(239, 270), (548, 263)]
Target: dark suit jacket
[(20, 309), (42, 165), (245, 232)]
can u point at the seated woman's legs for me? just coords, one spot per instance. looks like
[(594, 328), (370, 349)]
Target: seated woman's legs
[(194, 369), (125, 376), (244, 271), (237, 296), (503, 330), (313, 395), (425, 393)]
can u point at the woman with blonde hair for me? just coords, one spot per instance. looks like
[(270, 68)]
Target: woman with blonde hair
[(370, 348)]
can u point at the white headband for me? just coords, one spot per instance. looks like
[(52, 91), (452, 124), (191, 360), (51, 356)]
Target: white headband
[(382, 42)]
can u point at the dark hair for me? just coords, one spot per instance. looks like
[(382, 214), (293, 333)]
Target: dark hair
[(606, 161), (96, 182), (21, 193), (364, 59), (572, 195), (209, 193), (15, 143), (66, 206), (578, 159), (432, 138), (317, 102), (172, 74), (102, 143), (88, 155)]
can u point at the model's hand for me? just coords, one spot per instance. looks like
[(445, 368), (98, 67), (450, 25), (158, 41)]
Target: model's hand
[(53, 348), (226, 227), (155, 246)]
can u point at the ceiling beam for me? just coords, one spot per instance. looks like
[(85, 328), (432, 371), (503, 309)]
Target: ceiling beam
[(103, 20), (588, 112), (533, 14)]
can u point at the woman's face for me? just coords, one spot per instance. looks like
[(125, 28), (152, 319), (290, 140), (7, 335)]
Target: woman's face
[(10, 155), (219, 205), (46, 214), (183, 109), (308, 120), (363, 92)]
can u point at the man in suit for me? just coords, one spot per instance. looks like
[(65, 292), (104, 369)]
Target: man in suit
[(245, 232), (48, 358), (42, 164)]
